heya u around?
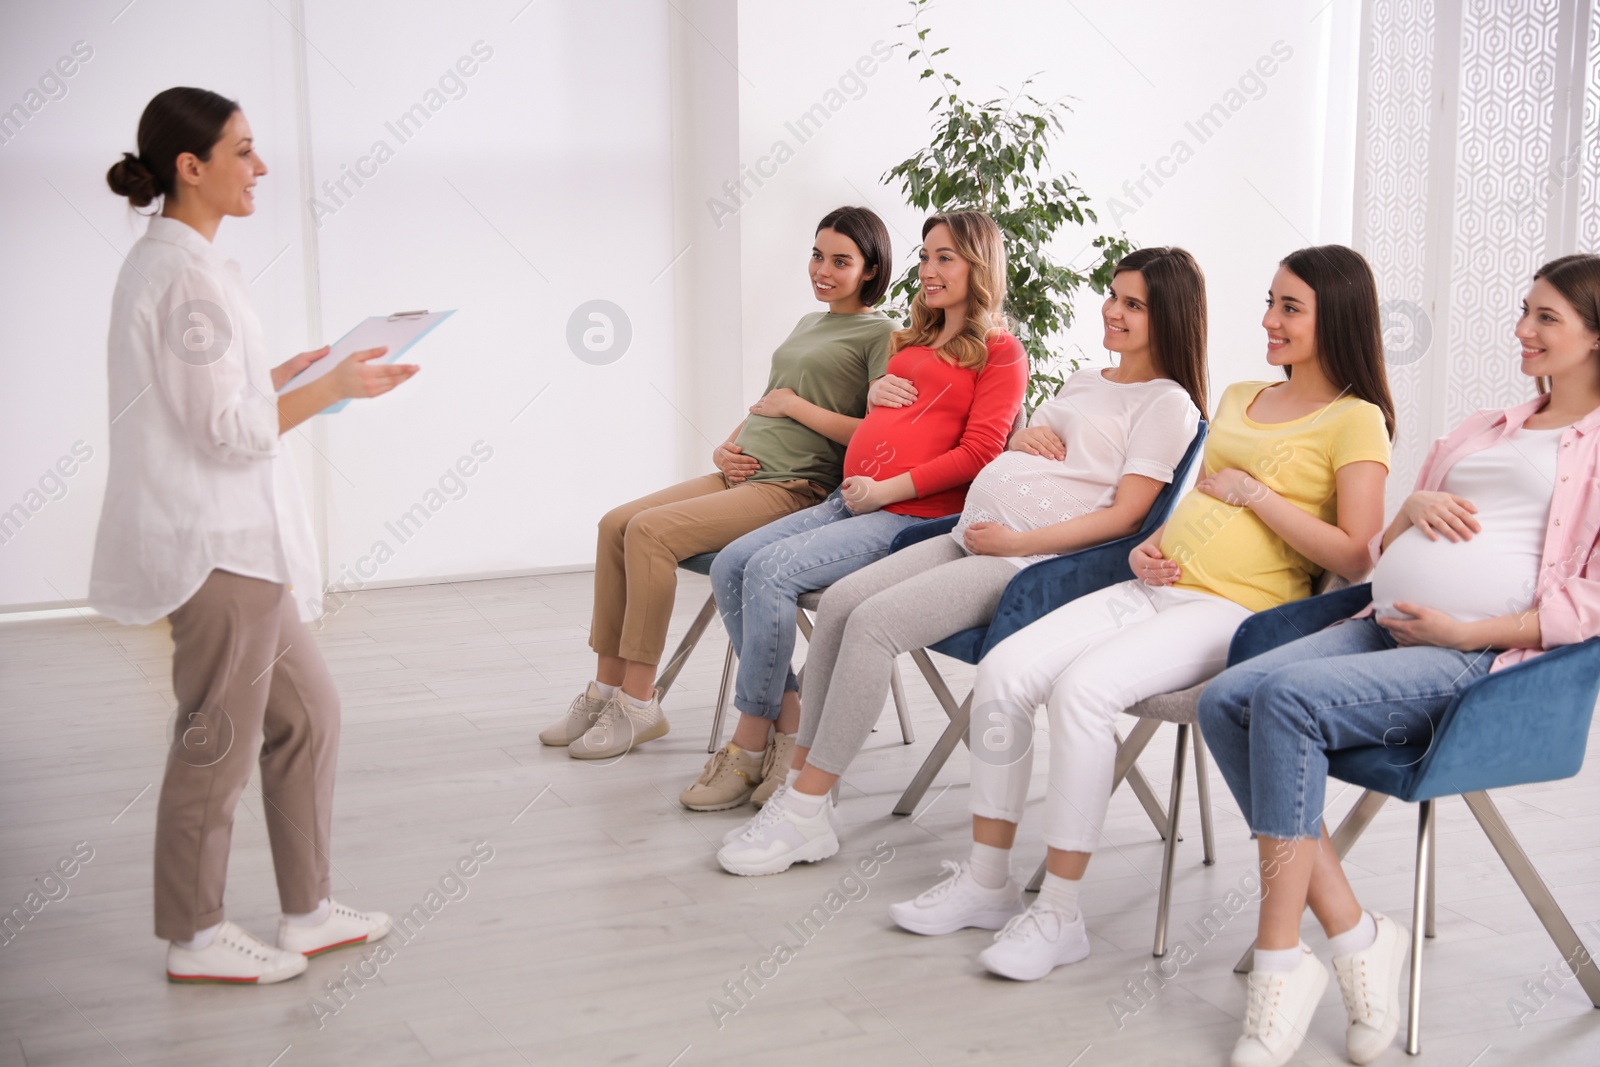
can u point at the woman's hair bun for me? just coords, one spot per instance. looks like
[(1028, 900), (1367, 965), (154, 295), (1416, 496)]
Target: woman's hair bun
[(129, 177)]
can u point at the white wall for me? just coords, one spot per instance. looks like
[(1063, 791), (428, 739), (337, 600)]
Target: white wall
[(65, 234), (1275, 177), (546, 184), (540, 182), (576, 163)]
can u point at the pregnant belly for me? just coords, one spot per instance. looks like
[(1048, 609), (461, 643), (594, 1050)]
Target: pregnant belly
[(1470, 580)]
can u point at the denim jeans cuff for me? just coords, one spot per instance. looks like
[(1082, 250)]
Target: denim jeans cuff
[(760, 711)]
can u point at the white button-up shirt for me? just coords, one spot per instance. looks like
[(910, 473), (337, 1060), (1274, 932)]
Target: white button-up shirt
[(198, 479)]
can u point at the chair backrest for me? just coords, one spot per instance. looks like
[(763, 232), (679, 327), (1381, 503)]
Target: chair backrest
[(1526, 723), (1167, 499)]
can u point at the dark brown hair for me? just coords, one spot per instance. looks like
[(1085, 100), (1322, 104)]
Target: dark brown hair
[(978, 241), (1577, 278), (1349, 337), (175, 121), (866, 229), (1176, 289)]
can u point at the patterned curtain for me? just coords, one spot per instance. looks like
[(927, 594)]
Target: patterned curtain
[(1478, 159)]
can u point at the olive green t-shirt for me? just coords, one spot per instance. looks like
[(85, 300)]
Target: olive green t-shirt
[(829, 360)]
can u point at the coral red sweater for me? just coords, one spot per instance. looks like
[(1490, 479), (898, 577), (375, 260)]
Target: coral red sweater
[(959, 423)]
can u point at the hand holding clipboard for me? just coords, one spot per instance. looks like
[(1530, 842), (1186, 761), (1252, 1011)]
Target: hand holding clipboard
[(353, 360)]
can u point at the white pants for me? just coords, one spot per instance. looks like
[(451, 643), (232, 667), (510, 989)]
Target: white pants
[(1086, 661)]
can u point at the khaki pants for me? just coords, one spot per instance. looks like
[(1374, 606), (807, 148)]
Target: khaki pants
[(636, 560), (251, 686)]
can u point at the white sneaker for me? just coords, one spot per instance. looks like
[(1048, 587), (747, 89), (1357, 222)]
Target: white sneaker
[(235, 957), (1035, 943), (1369, 980), (957, 903), (1278, 1009), (777, 796), (778, 838), (343, 926), (619, 727), (580, 716)]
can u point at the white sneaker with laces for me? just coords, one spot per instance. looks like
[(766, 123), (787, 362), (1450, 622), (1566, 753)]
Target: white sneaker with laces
[(777, 838), (234, 957), (1035, 943), (956, 903), (1369, 981), (777, 796), (582, 713), (343, 926), (1278, 1008)]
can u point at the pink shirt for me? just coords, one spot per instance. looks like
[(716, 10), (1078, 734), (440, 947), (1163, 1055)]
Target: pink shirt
[(1568, 593)]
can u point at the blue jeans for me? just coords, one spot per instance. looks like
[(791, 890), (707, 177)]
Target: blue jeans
[(1271, 720), (759, 578)]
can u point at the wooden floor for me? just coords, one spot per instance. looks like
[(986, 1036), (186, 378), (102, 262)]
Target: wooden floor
[(602, 930)]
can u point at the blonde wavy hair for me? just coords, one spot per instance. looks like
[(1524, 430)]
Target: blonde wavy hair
[(978, 241)]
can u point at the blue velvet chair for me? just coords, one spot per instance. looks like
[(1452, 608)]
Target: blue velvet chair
[(1527, 723), (1037, 590)]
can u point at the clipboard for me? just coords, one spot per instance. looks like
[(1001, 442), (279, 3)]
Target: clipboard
[(398, 331)]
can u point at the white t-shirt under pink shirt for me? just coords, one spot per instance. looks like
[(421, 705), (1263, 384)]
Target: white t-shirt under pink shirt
[(1110, 430)]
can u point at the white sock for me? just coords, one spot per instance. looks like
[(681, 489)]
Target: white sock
[(1358, 937), (606, 691), (790, 778), (804, 804), (757, 754), (1059, 895), (1276, 960), (201, 938), (316, 917), (990, 866), (633, 700)]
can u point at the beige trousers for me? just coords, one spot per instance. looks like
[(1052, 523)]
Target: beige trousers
[(641, 542), (251, 688)]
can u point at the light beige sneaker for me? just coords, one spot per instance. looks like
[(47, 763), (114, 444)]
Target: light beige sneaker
[(774, 767), (619, 727), (729, 777), (580, 716)]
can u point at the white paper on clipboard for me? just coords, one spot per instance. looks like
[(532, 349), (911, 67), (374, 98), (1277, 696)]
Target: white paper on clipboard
[(398, 332)]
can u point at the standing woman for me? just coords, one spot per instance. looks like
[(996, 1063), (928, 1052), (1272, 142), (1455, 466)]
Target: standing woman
[(1292, 486), (905, 463), (203, 522), (1492, 560), (787, 455)]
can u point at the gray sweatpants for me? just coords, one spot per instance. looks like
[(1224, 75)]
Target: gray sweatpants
[(911, 599)]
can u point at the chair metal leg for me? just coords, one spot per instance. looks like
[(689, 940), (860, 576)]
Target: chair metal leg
[(1366, 809), (1433, 885), (1202, 784), (722, 700), (901, 708), (1170, 852), (1577, 956), (1128, 752), (935, 680), (953, 735), (1418, 922), (671, 669)]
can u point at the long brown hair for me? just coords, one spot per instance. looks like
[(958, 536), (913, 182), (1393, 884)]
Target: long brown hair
[(175, 121), (978, 242), (1576, 277), (1349, 336), (1176, 289)]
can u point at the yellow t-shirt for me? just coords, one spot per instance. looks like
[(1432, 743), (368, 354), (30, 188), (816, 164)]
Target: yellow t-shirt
[(1229, 551)]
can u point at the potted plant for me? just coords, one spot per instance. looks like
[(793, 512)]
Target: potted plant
[(992, 156)]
